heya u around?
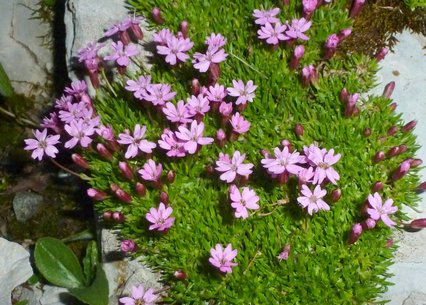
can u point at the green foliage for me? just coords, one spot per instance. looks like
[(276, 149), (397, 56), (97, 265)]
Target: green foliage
[(96, 293), (5, 86), (415, 3)]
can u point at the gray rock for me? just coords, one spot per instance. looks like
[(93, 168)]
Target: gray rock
[(25, 50), (26, 205), (15, 268), (415, 298)]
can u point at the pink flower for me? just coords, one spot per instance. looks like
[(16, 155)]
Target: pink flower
[(198, 105), (284, 161), (306, 175), (80, 133), (241, 201), (215, 41), (245, 93), (106, 132), (231, 168), (175, 50), (222, 258), (43, 144), (121, 53), (381, 211), (202, 61), (150, 171), (120, 26), (163, 36), (273, 34), (160, 218), (159, 94), (239, 124), (263, 17), (193, 137), (216, 93), (127, 245), (297, 28), (136, 142), (140, 296), (179, 113), (309, 6), (323, 161), (77, 89), (283, 256), (312, 200), (225, 109), (170, 143), (75, 111), (139, 86)]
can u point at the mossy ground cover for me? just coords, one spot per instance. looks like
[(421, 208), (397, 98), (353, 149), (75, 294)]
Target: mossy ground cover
[(322, 267)]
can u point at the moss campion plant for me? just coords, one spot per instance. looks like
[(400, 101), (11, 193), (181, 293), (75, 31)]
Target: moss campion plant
[(244, 165)]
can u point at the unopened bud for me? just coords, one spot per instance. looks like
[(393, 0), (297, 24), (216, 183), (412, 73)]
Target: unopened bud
[(409, 126), (120, 193), (367, 132), (220, 137), (104, 152), (107, 215), (96, 194), (391, 131), (309, 7), (156, 15), (309, 75), (117, 216), (287, 143), (381, 54), (344, 94), (380, 156), (344, 34), (184, 28), (356, 8), (298, 53), (402, 169), (180, 274), (140, 189), (355, 233), (299, 130), (209, 169), (171, 175), (80, 161), (387, 92), (214, 73), (418, 224), (195, 87), (330, 46), (368, 224), (336, 194), (421, 188), (127, 245), (393, 151), (393, 106), (164, 197), (402, 149), (378, 186), (389, 243), (126, 170), (415, 162)]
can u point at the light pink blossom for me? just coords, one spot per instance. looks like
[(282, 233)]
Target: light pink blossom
[(175, 50), (179, 113), (239, 124), (139, 86), (159, 94), (284, 161), (323, 161), (215, 41), (42, 144), (381, 211), (160, 218), (193, 137), (163, 36), (202, 61), (241, 201), (136, 142), (234, 167), (273, 34), (140, 296), (263, 17), (223, 258), (121, 54), (216, 93), (297, 28), (313, 200), (198, 105), (150, 171), (80, 133), (244, 92), (170, 142)]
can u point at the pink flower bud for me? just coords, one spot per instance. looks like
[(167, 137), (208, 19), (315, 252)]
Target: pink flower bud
[(195, 87), (421, 188), (210, 170), (107, 215), (402, 169), (381, 54), (93, 76), (220, 137), (380, 156), (418, 224), (156, 15), (124, 37), (298, 53), (377, 187), (104, 152), (140, 189), (392, 130), (180, 274), (120, 193), (350, 104), (387, 92), (393, 151), (137, 32), (171, 175), (356, 8), (368, 224), (355, 233), (415, 162), (96, 194), (309, 7), (393, 106), (389, 243), (164, 197), (117, 216), (344, 94), (127, 245), (336, 194), (299, 130), (80, 161), (409, 126), (287, 143), (402, 149), (330, 46), (367, 132), (265, 153), (344, 34), (309, 75), (126, 170), (214, 73), (184, 28)]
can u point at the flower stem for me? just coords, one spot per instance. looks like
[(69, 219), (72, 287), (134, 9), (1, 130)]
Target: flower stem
[(108, 83), (68, 170)]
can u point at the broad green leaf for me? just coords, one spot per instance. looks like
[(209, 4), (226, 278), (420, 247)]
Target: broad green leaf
[(97, 293), (57, 263), (83, 235), (90, 262), (5, 85)]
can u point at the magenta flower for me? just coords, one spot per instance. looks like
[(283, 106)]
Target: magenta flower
[(215, 41), (127, 245), (202, 61), (297, 28), (223, 258), (312, 200), (284, 161), (170, 142), (52, 122), (159, 94), (179, 113), (80, 133), (175, 50), (216, 93), (381, 211), (106, 132), (160, 218), (239, 124), (140, 296), (273, 34), (283, 256), (139, 86), (121, 54), (120, 26), (225, 109), (234, 167), (241, 201), (90, 51), (305, 175), (323, 161), (43, 144), (245, 93), (193, 137), (198, 105), (150, 171), (78, 88), (136, 142), (163, 36), (263, 17), (75, 111)]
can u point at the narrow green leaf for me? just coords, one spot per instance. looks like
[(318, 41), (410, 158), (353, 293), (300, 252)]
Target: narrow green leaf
[(90, 262), (97, 293), (57, 263), (5, 85)]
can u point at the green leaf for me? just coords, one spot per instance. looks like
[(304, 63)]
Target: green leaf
[(83, 235), (57, 263), (90, 262), (5, 85), (23, 302), (97, 293)]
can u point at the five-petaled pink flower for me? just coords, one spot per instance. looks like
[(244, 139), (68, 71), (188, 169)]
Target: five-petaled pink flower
[(121, 53), (245, 93), (313, 200), (323, 161), (140, 296), (297, 28), (193, 137), (80, 133), (139, 86), (150, 171), (163, 36), (223, 258), (178, 113), (170, 142), (198, 105), (263, 17), (216, 93), (160, 218), (136, 142), (43, 144), (284, 161), (239, 124), (231, 168), (273, 34), (381, 211), (215, 41), (202, 61), (159, 94), (241, 201), (175, 50)]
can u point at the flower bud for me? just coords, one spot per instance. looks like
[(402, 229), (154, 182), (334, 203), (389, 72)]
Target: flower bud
[(164, 197), (393, 151), (287, 143), (107, 215), (336, 194), (209, 169), (171, 175), (392, 130), (331, 46), (220, 137), (350, 104), (124, 37), (377, 187), (389, 243), (356, 8), (140, 189), (380, 156), (214, 73), (402, 169), (393, 106), (344, 34), (415, 162), (136, 30), (309, 75), (367, 132), (298, 53), (402, 149), (409, 126), (368, 224), (120, 193), (80, 161), (344, 94), (299, 130), (156, 15), (117, 216), (184, 28), (127, 245), (265, 153), (355, 233), (387, 92), (96, 194), (126, 170), (381, 54), (195, 87), (180, 274), (309, 7), (421, 188), (418, 224), (104, 152)]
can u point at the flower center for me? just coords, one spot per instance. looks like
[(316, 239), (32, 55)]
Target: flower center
[(323, 165), (42, 144), (313, 199)]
